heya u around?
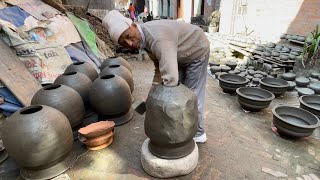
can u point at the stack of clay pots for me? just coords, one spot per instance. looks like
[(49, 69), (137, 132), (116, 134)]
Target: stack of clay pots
[(97, 135), (110, 94)]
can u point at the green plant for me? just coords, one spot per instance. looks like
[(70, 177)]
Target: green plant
[(310, 49)]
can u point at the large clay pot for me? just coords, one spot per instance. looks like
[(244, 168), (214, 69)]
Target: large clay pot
[(64, 99), (84, 68), (119, 71), (115, 61), (110, 97), (77, 81), (39, 139), (171, 121)]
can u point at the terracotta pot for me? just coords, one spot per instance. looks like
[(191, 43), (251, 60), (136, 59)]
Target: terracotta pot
[(171, 121), (294, 122), (96, 129), (39, 139), (119, 71), (254, 99), (64, 99), (115, 61), (84, 68), (110, 95), (97, 141), (77, 81)]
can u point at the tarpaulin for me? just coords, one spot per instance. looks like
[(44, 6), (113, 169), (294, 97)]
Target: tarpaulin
[(14, 14), (11, 103)]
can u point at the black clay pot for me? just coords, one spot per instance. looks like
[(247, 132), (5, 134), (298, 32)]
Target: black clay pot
[(315, 87), (110, 97), (275, 85), (64, 99), (84, 68), (230, 82), (232, 65), (77, 81), (310, 103), (119, 71), (302, 81), (289, 76), (171, 121), (254, 99), (291, 86), (294, 122), (115, 61), (305, 91), (39, 139)]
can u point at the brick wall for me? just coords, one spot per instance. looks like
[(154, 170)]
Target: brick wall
[(269, 19)]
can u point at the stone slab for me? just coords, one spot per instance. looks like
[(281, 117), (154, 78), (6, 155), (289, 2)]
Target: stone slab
[(167, 168)]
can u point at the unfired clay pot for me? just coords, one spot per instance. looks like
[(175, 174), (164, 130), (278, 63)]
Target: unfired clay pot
[(171, 121), (119, 71), (84, 68), (39, 139), (64, 99), (77, 81), (110, 97), (115, 61)]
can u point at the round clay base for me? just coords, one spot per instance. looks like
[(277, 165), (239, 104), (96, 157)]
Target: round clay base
[(120, 120), (102, 146), (50, 172), (167, 168)]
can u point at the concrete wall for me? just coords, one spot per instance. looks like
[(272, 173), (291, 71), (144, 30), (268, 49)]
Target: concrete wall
[(95, 4), (269, 19)]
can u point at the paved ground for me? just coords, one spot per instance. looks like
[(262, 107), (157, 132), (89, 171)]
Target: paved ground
[(239, 146)]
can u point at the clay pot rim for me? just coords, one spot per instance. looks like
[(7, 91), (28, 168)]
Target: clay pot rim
[(31, 109), (52, 87), (245, 80), (114, 65), (296, 109), (70, 73), (274, 86), (253, 98), (302, 101), (78, 63), (107, 76)]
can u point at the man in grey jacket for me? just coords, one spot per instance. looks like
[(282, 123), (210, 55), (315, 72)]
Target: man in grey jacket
[(180, 52)]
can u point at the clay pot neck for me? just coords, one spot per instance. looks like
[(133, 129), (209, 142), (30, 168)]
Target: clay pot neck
[(106, 77), (69, 73), (52, 87), (31, 110), (114, 66), (78, 63)]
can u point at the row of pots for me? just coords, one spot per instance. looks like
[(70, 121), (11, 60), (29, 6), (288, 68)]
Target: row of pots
[(39, 137), (303, 85)]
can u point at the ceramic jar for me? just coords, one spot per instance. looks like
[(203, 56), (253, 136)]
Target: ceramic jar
[(115, 61), (39, 139), (119, 71), (110, 97), (171, 121), (64, 99), (84, 68), (77, 81)]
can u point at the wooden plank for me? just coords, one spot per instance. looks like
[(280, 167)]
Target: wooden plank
[(15, 76), (295, 41), (240, 51)]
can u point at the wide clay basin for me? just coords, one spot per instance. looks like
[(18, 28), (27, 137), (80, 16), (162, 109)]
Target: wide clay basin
[(254, 99), (230, 82), (294, 122), (275, 85), (311, 103)]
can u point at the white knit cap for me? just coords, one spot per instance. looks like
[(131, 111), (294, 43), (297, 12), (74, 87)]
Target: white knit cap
[(116, 24)]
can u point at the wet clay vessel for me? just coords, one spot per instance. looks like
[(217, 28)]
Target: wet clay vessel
[(64, 99), (214, 69), (310, 103), (171, 121), (115, 61), (96, 129), (294, 122), (275, 85), (39, 139), (254, 99), (77, 81), (291, 86), (119, 71), (110, 97), (315, 87), (305, 91), (231, 64), (289, 76), (302, 81), (230, 82), (84, 68)]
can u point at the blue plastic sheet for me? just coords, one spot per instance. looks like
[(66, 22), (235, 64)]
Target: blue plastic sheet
[(11, 103), (14, 14)]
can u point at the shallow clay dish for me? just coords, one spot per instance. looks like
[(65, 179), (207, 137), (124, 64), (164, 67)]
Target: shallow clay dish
[(97, 129)]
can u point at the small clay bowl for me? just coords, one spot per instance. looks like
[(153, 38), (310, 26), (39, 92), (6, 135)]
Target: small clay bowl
[(305, 91), (251, 67), (213, 63), (231, 72), (264, 74), (259, 76), (269, 76), (284, 57), (236, 71), (294, 122), (97, 129), (254, 99), (249, 77), (275, 85), (241, 74), (302, 81), (230, 82), (289, 76), (231, 64), (310, 103), (275, 53), (242, 69), (251, 72), (255, 80), (315, 87), (266, 54), (214, 69), (291, 86), (315, 75), (225, 68), (292, 57)]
